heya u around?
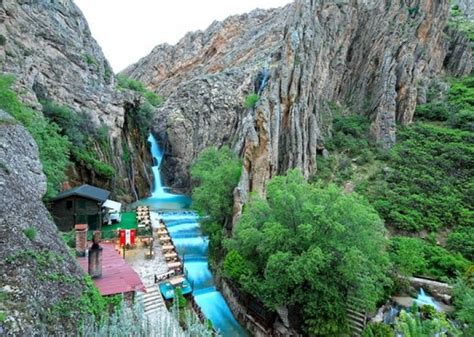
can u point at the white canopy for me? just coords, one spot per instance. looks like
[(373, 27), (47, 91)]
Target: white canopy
[(112, 205)]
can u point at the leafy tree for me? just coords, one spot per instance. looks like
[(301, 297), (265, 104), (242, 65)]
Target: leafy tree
[(216, 174), (310, 248)]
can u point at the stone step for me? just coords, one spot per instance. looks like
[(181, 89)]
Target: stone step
[(356, 331), (355, 313), (151, 301), (153, 308), (356, 324)]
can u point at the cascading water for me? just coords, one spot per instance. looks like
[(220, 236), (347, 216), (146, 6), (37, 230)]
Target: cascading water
[(192, 245), (160, 197), (424, 299)]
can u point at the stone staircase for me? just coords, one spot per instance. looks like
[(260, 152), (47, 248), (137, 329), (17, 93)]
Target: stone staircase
[(355, 317), (152, 300)]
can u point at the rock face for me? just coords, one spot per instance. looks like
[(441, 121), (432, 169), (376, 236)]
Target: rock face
[(369, 57), (36, 269), (48, 46), (467, 6)]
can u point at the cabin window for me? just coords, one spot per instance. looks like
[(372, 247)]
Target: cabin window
[(69, 204), (82, 204)]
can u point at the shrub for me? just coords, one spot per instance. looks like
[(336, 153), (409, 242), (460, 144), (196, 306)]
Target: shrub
[(251, 101), (413, 256), (3, 40), (69, 238), (462, 241), (378, 330), (90, 60), (153, 98), (428, 184), (89, 160), (30, 233), (124, 82)]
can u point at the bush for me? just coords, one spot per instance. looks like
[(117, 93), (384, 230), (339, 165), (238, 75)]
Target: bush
[(428, 184), (89, 161), (378, 330), (462, 241), (123, 82), (153, 98), (30, 233), (251, 101), (53, 147), (90, 60), (142, 118), (3, 40), (413, 256), (69, 238)]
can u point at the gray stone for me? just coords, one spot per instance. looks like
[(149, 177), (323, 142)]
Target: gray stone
[(30, 292), (373, 57)]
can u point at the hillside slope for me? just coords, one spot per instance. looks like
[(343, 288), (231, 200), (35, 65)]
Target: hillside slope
[(375, 58), (48, 47)]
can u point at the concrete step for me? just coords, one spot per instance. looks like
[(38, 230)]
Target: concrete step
[(153, 308), (355, 313), (149, 301)]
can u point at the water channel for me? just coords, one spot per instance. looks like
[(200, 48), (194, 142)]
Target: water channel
[(192, 246)]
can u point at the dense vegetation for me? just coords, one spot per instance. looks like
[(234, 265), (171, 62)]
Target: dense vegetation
[(53, 146), (83, 135), (142, 115), (216, 173), (312, 248)]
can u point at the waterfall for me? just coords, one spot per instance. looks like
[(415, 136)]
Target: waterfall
[(192, 245)]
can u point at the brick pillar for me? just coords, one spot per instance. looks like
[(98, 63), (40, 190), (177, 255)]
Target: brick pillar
[(81, 239), (95, 257)]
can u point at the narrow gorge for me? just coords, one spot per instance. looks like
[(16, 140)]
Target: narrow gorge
[(311, 166)]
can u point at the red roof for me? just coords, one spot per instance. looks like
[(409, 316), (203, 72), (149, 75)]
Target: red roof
[(117, 276)]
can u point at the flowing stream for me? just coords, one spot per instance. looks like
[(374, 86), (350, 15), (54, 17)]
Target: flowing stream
[(192, 246)]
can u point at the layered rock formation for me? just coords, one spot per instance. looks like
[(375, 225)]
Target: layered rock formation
[(369, 57), (36, 270), (48, 46)]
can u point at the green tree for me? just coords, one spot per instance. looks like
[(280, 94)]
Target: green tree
[(310, 248), (216, 174)]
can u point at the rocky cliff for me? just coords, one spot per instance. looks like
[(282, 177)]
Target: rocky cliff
[(306, 61), (48, 46), (37, 272)]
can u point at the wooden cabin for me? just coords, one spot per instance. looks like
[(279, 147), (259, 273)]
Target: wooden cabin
[(82, 204)]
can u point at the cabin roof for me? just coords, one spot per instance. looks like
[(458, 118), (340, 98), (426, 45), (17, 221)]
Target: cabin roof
[(117, 276), (85, 191)]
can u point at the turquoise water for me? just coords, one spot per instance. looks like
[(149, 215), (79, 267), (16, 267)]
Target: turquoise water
[(192, 245)]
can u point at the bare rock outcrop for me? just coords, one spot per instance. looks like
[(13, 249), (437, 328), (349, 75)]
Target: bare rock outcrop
[(37, 272), (48, 47), (375, 58)]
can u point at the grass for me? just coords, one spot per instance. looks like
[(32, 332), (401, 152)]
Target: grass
[(129, 221)]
